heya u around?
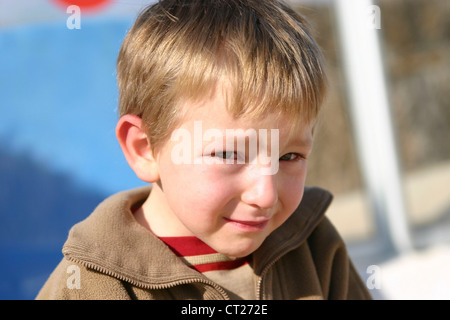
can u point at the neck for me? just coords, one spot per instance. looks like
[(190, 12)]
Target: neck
[(156, 216)]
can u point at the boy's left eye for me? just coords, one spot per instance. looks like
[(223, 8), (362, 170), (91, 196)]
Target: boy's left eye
[(291, 157)]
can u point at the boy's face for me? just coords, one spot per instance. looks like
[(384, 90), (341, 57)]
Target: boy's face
[(234, 206)]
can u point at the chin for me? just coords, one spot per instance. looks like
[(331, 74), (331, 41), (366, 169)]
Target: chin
[(240, 250)]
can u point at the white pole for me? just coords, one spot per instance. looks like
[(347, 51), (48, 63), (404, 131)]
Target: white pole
[(359, 25)]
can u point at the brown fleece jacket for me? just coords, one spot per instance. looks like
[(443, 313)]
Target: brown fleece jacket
[(110, 255)]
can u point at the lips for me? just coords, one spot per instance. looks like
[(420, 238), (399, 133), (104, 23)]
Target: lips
[(248, 225)]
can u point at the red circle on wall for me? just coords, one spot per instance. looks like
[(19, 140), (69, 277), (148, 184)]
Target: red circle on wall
[(83, 4)]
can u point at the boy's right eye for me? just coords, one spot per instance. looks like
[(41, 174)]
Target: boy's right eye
[(226, 155)]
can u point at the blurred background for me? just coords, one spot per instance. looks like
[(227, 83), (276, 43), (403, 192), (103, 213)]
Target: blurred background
[(59, 157)]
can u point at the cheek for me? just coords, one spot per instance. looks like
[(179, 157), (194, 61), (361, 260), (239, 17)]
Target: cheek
[(196, 191), (291, 192), (294, 195)]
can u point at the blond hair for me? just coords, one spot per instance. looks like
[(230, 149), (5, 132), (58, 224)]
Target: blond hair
[(181, 49)]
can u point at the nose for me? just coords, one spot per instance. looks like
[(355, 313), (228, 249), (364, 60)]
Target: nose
[(261, 190)]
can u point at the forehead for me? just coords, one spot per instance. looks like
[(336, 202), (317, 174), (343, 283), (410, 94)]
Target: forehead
[(213, 112)]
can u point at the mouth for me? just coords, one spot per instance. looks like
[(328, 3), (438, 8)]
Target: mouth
[(248, 225)]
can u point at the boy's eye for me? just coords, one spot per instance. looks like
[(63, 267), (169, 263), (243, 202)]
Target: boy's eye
[(225, 155), (291, 157)]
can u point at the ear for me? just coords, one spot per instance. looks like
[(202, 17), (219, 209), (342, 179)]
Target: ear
[(136, 147)]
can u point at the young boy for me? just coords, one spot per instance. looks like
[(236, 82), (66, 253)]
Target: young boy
[(218, 101)]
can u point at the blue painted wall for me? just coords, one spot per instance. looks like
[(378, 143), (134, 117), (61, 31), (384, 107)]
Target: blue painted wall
[(58, 153)]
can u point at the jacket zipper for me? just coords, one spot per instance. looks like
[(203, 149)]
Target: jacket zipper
[(290, 246), (148, 286), (259, 292)]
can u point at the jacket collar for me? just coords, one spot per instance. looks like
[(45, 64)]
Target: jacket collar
[(294, 231), (111, 241)]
